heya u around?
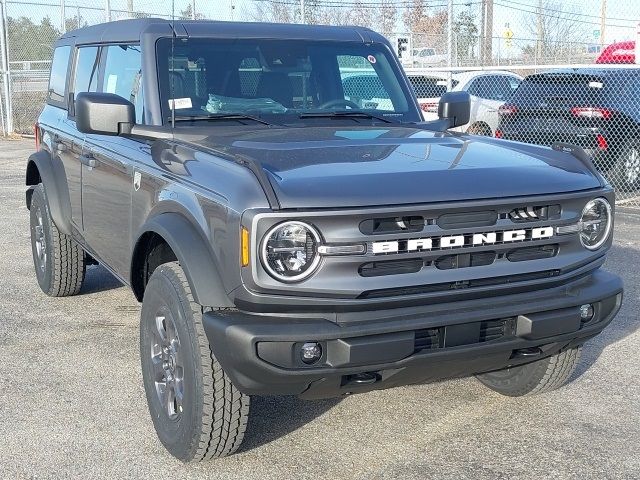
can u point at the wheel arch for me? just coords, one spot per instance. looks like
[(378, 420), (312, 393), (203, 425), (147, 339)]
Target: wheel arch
[(189, 247), (41, 169)]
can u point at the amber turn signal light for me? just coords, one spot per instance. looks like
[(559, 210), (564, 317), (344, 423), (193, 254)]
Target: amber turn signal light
[(244, 247)]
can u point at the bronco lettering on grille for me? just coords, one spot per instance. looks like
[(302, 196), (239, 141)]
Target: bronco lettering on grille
[(464, 240)]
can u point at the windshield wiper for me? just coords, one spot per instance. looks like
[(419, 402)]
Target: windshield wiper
[(344, 113), (220, 116)]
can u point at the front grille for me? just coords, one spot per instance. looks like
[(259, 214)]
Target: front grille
[(427, 339), (464, 334), (531, 213), (492, 330), (443, 287), (463, 260), (532, 253)]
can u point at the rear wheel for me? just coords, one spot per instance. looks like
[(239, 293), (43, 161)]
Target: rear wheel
[(625, 174), (480, 129), (58, 260), (537, 377), (196, 410)]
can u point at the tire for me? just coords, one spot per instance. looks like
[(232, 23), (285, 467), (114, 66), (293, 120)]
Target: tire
[(480, 129), (196, 410), (625, 174), (534, 378), (58, 260)]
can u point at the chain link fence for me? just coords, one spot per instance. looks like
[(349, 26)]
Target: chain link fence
[(538, 71)]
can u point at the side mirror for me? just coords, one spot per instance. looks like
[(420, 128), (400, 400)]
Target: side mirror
[(455, 107), (104, 113)]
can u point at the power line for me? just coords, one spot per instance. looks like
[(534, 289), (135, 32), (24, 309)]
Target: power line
[(558, 15), (555, 10)]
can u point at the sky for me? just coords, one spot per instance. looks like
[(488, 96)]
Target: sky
[(623, 15)]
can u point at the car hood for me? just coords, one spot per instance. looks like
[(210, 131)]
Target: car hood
[(330, 167)]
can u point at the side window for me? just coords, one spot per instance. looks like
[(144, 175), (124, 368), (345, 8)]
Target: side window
[(123, 75), (58, 77), (475, 87), (86, 71), (502, 89)]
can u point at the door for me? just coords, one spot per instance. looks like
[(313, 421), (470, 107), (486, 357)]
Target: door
[(66, 141), (70, 142), (107, 166)]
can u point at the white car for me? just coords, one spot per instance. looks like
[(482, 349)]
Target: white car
[(427, 57), (488, 90)]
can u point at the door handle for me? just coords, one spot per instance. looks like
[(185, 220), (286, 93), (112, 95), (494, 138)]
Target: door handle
[(88, 160)]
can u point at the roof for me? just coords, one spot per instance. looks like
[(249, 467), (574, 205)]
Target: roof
[(132, 30), (592, 71)]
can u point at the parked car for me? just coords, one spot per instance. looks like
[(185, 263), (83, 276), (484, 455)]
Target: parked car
[(597, 109), (620, 52), (488, 90), (286, 240), (427, 57)]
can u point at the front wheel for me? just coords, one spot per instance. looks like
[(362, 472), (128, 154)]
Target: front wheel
[(540, 376), (196, 410)]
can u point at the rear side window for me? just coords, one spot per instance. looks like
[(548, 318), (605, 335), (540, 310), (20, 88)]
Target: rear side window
[(560, 89), (492, 87), (429, 87), (123, 75), (58, 77)]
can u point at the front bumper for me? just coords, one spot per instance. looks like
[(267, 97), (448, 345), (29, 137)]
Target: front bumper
[(261, 352)]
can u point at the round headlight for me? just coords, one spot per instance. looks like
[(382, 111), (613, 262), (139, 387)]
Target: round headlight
[(595, 223), (289, 251)]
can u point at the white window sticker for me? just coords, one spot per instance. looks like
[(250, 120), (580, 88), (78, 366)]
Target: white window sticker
[(178, 103), (112, 81)]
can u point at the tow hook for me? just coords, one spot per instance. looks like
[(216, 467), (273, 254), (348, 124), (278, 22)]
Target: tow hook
[(526, 352), (358, 379)]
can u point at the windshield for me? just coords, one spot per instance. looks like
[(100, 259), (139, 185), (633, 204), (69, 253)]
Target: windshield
[(280, 81)]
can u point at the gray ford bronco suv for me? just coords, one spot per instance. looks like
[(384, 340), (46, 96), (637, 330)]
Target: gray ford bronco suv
[(292, 226)]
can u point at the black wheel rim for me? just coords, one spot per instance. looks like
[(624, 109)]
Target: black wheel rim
[(167, 364), (40, 242)]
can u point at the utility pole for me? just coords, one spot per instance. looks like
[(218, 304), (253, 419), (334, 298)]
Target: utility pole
[(193, 9), (449, 42), (540, 40), (63, 23), (483, 20), (107, 10), (4, 57), (488, 40), (603, 21), (303, 13)]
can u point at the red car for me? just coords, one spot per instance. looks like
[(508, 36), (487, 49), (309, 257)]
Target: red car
[(621, 52)]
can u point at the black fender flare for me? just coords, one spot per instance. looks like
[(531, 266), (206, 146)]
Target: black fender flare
[(194, 255), (54, 180)]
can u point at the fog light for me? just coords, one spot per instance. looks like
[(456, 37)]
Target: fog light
[(311, 352), (586, 312)]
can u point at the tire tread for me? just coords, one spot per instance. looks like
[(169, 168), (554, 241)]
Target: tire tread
[(225, 410)]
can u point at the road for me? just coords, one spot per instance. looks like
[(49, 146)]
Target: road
[(72, 403)]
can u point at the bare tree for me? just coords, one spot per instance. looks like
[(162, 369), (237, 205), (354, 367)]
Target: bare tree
[(427, 25), (387, 17), (558, 29), (277, 12)]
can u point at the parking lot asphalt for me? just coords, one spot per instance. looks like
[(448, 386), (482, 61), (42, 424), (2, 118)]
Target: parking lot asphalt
[(72, 403)]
